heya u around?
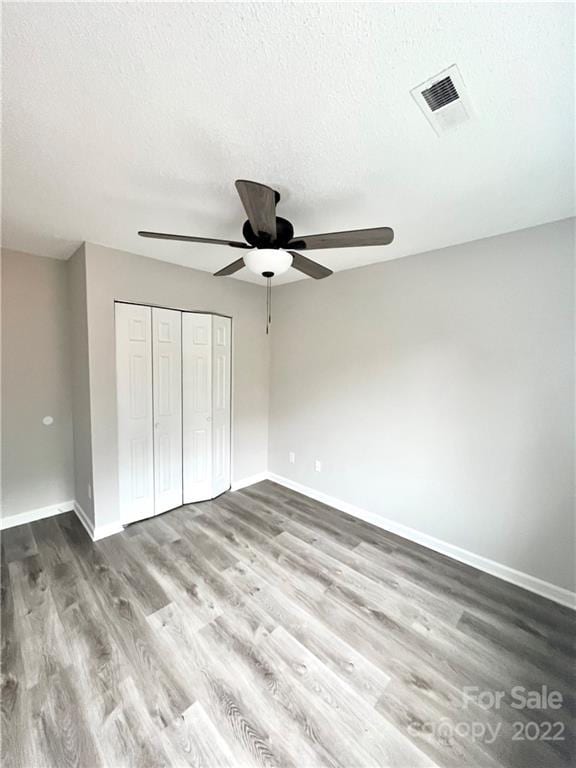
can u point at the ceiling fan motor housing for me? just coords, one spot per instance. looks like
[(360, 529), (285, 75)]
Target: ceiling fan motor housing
[(284, 233)]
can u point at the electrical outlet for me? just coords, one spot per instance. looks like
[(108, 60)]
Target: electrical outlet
[(89, 491), (318, 466), (292, 457)]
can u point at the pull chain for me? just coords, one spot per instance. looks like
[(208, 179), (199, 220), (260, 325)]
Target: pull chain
[(268, 304)]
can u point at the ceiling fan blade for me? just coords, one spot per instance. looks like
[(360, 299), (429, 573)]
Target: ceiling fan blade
[(355, 238), (230, 269), (190, 239), (259, 202), (309, 267)]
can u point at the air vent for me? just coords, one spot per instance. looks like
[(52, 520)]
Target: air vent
[(440, 94), (444, 100)]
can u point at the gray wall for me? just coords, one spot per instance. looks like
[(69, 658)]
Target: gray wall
[(36, 459), (438, 391), (80, 381), (118, 275)]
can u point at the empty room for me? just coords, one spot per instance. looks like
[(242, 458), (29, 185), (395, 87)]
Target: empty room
[(287, 385)]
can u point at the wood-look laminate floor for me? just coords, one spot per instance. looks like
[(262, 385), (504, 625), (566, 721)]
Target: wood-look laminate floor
[(266, 629)]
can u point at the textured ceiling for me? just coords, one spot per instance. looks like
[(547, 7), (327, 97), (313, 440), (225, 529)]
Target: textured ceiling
[(119, 117)]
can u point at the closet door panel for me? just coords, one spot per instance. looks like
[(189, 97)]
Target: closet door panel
[(221, 349), (134, 401), (197, 406), (167, 389)]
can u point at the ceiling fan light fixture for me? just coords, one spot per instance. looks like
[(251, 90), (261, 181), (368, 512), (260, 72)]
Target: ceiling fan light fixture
[(268, 262)]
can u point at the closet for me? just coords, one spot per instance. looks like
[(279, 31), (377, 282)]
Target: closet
[(173, 397)]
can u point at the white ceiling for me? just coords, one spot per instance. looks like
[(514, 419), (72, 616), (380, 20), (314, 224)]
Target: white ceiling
[(119, 117)]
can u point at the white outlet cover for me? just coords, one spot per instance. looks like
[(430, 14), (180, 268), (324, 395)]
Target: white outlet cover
[(47, 421), (292, 457), (318, 466)]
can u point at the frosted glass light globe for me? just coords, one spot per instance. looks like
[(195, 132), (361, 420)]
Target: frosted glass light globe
[(268, 262)]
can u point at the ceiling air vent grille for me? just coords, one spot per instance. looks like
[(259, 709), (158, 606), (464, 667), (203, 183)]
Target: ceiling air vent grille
[(444, 100), (440, 94)]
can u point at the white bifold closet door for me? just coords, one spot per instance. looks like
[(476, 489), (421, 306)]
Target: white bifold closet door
[(135, 418), (149, 383), (221, 381), (206, 347), (167, 400)]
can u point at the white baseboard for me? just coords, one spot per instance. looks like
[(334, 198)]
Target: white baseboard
[(31, 515), (519, 578), (246, 481), (98, 532), (103, 531), (84, 519)]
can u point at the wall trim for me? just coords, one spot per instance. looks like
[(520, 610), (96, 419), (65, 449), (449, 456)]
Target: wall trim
[(100, 531), (31, 515), (84, 519), (519, 578), (246, 481)]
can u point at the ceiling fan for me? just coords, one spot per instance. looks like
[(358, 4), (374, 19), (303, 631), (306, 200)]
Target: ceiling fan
[(270, 243)]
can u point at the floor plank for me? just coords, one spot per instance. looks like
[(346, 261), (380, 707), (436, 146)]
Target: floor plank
[(18, 542)]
